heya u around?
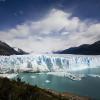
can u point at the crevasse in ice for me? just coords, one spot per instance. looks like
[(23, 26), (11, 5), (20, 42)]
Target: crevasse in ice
[(46, 63)]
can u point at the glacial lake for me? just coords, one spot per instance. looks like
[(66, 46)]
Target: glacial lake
[(88, 86), (63, 73)]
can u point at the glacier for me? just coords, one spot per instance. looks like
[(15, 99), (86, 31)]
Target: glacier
[(48, 63)]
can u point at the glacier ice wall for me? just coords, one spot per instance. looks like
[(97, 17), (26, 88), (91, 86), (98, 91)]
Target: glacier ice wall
[(46, 63)]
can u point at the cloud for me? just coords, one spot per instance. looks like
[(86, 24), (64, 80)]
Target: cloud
[(56, 31)]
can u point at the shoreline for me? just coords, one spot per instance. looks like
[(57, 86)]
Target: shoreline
[(11, 86)]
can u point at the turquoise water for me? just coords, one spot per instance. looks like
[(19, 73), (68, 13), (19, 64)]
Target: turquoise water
[(88, 86), (75, 67)]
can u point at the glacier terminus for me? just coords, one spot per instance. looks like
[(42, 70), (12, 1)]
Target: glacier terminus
[(62, 65)]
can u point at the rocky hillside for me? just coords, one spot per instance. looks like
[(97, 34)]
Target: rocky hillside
[(5, 49), (85, 49), (12, 90)]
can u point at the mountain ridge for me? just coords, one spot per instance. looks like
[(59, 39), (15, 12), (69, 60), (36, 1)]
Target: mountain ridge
[(85, 49), (5, 49)]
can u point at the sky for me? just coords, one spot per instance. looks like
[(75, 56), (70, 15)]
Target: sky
[(41, 26)]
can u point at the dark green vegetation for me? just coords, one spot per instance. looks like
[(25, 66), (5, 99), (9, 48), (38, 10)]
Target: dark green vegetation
[(17, 90), (5, 49)]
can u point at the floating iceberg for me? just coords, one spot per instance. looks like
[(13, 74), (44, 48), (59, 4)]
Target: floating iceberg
[(93, 75), (67, 75), (47, 81)]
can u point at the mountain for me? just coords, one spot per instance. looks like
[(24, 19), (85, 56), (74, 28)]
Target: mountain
[(5, 49), (20, 50), (85, 49)]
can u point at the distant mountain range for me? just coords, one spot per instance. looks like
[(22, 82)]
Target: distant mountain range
[(85, 49), (5, 49)]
